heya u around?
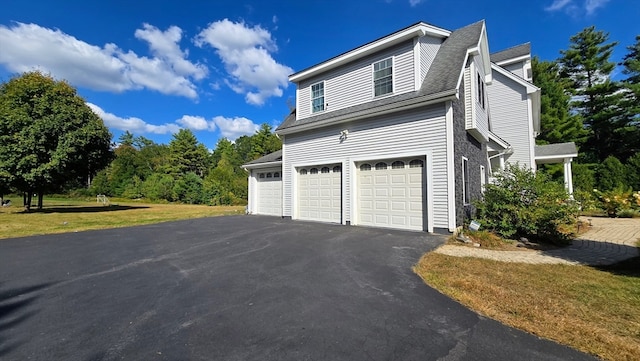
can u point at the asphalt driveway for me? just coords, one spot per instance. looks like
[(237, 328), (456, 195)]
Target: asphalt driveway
[(239, 288)]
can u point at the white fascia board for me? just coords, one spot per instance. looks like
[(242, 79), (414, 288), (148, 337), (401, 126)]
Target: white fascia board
[(418, 30), (530, 87), (557, 156), (514, 60), (501, 142), (486, 56), (263, 165)]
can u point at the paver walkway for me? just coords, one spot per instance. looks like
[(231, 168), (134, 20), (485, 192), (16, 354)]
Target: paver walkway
[(609, 240)]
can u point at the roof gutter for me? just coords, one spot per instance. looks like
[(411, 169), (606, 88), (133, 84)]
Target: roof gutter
[(412, 103), (261, 165)]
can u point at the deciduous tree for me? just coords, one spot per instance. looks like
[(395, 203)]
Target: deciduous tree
[(48, 135)]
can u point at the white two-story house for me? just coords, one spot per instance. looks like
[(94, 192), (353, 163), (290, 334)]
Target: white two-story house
[(402, 132)]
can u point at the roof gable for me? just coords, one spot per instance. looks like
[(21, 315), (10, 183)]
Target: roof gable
[(447, 68), (415, 30)]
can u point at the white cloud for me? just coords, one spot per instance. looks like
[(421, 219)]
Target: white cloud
[(28, 47), (558, 5), (576, 7), (132, 124), (246, 54), (196, 123), (164, 45), (415, 2), (592, 5), (232, 128)]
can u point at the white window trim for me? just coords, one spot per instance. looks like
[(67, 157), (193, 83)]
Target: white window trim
[(465, 175), (373, 80), (483, 178), (324, 98)]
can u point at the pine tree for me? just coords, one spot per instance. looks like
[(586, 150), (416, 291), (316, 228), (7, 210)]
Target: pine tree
[(557, 125), (630, 130), (596, 98)]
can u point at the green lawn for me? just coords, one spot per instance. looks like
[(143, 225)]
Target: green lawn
[(61, 215)]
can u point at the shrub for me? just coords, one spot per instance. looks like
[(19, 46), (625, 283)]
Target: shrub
[(633, 171), (584, 176), (616, 200), (611, 174), (522, 204)]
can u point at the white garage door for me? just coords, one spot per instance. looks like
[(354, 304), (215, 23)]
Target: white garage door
[(269, 193), (320, 193), (391, 194)]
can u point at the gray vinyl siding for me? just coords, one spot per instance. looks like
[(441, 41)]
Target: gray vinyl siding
[(352, 84), (476, 154), (515, 68), (418, 131), (510, 117), (429, 47)]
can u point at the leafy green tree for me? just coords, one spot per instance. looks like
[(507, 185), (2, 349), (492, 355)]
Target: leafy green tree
[(126, 139), (611, 174), (188, 189), (557, 125), (158, 186), (587, 67), (101, 184), (48, 135)]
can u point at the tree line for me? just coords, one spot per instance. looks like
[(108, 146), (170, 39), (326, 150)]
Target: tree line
[(184, 170), (582, 103), (52, 142)]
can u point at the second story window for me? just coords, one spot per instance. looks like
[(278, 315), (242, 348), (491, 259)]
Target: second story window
[(383, 77), (317, 97), (481, 92)]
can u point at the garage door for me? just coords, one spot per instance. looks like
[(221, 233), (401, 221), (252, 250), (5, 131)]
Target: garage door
[(269, 193), (320, 193), (391, 194)]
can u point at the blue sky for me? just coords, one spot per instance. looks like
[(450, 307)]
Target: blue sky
[(220, 67)]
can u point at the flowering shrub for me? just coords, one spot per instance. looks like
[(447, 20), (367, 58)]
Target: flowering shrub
[(521, 203), (618, 200)]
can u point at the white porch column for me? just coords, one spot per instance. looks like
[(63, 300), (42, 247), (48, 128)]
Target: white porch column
[(501, 162), (568, 176)]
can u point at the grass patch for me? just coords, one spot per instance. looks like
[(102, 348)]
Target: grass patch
[(593, 310), (61, 215)]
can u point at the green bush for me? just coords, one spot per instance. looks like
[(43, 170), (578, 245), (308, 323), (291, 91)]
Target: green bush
[(611, 174), (633, 171), (522, 204)]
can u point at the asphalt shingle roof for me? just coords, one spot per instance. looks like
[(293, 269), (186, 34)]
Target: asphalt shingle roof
[(511, 53), (558, 149), (271, 157), (442, 76), (445, 70)]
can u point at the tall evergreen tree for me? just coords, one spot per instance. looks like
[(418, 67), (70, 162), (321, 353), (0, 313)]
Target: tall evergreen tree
[(630, 130), (186, 154), (587, 67), (557, 124)]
